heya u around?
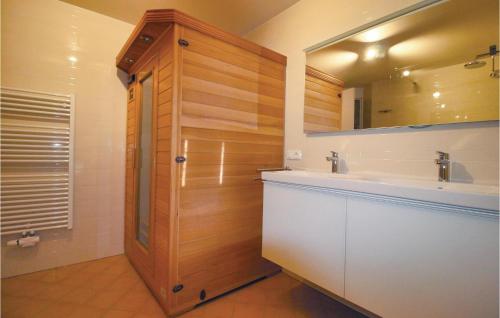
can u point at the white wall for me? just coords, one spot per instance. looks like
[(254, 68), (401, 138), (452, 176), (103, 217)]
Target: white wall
[(37, 38), (473, 147), (348, 108), (466, 95)]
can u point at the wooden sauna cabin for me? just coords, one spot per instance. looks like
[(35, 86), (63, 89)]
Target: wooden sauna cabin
[(322, 102), (205, 111)]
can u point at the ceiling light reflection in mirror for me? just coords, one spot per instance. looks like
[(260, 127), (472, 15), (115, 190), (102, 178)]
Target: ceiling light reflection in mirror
[(339, 59), (376, 34), (410, 70)]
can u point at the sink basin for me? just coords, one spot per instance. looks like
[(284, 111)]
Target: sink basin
[(458, 194), (306, 173)]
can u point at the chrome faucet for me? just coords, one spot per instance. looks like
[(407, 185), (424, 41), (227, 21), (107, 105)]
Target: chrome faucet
[(335, 161), (444, 166)]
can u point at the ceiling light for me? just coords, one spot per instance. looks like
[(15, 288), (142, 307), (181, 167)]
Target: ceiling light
[(374, 52), (378, 33), (371, 54), (436, 94), (443, 105), (342, 58), (372, 35), (72, 59), (406, 73), (414, 48)]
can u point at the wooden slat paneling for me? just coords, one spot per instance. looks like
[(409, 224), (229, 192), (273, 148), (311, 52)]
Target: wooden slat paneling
[(152, 263), (231, 124), (322, 102), (163, 166), (219, 102), (130, 173)]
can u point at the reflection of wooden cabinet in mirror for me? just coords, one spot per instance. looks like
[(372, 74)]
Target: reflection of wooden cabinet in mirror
[(424, 67), (322, 102)]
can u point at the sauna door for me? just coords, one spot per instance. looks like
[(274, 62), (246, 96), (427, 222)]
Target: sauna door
[(231, 124), (142, 243)]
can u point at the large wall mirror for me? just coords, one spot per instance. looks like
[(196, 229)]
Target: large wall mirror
[(435, 65)]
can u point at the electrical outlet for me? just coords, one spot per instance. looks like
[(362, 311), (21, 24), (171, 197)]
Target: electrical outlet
[(294, 154)]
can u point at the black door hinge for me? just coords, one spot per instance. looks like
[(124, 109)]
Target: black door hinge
[(183, 43), (177, 288), (203, 294), (180, 159)]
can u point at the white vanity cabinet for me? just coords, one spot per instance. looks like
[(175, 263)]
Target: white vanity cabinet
[(396, 257), (405, 261), (304, 232)]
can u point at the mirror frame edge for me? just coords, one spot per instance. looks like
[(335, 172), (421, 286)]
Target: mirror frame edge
[(392, 16)]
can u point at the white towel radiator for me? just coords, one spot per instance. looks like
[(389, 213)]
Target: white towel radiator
[(37, 132)]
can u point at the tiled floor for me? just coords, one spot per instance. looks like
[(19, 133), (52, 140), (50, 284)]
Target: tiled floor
[(111, 288)]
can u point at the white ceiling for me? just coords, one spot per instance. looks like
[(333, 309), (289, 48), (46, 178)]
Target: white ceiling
[(449, 33), (236, 16)]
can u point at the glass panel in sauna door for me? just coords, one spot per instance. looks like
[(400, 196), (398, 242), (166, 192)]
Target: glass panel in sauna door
[(144, 161)]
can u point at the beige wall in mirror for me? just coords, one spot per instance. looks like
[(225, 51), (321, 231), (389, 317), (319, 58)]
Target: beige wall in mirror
[(433, 66)]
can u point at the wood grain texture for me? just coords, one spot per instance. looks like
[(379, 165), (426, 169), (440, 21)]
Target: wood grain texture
[(151, 262), (322, 102), (130, 173), (141, 256), (163, 162), (220, 104), (231, 123), (154, 22)]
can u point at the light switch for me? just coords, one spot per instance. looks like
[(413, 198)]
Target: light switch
[(294, 154)]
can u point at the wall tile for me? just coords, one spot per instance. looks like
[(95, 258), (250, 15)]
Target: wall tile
[(38, 36)]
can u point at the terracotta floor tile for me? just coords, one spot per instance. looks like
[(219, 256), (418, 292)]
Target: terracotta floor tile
[(311, 312), (250, 295), (278, 297), (110, 287), (192, 314), (123, 283), (79, 295), (151, 307), (248, 311), (45, 276), (118, 314), (105, 299), (217, 309), (55, 291), (118, 269), (14, 286), (279, 312), (143, 315), (77, 279), (56, 310), (30, 309), (86, 312), (11, 304), (100, 281), (22, 288), (74, 268), (132, 301), (96, 267)]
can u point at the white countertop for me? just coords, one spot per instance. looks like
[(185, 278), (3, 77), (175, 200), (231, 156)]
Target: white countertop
[(457, 194)]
